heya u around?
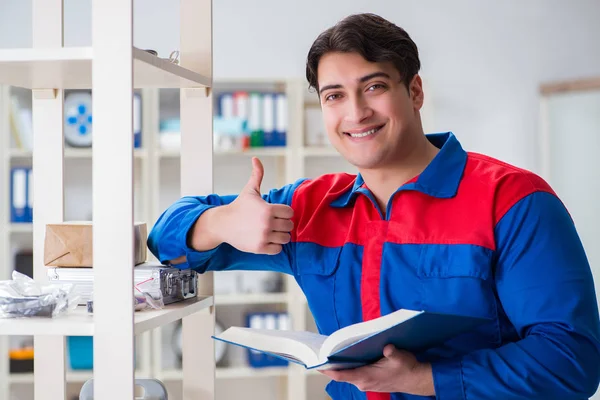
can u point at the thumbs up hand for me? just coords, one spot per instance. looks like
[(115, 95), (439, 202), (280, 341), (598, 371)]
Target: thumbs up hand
[(253, 225)]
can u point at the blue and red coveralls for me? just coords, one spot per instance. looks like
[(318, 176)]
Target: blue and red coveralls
[(470, 235)]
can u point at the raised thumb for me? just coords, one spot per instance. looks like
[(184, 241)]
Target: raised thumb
[(256, 177)]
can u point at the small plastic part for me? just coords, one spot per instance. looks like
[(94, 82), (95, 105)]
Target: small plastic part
[(148, 294)]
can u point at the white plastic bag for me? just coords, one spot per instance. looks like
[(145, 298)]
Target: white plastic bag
[(24, 297)]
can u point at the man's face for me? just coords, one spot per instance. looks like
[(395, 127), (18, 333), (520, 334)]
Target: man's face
[(369, 114)]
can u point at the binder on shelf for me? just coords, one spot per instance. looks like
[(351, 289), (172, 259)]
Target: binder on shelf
[(254, 122), (241, 102), (21, 128), (18, 195), (29, 206), (226, 105), (281, 119), (137, 121), (271, 321), (268, 122)]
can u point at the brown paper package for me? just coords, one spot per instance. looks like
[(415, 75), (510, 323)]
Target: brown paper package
[(69, 244)]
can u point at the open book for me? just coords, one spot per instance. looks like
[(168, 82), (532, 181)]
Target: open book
[(357, 344)]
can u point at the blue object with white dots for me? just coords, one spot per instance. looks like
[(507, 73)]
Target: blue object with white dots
[(78, 119)]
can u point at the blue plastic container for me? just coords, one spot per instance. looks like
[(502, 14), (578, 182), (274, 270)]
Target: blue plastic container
[(81, 352)]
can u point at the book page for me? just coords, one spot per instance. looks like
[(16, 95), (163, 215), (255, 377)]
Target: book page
[(304, 346), (353, 333), (312, 340)]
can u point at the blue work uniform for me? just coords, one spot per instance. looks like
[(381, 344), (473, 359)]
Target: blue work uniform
[(470, 235)]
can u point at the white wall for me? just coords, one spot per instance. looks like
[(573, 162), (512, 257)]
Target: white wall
[(484, 59)]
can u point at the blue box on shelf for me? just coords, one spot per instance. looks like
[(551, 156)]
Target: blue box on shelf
[(81, 352)]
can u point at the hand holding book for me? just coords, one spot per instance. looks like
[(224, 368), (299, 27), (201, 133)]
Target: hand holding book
[(397, 371)]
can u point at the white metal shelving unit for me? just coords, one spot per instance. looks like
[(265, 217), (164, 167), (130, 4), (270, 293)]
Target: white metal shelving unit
[(70, 68), (112, 68)]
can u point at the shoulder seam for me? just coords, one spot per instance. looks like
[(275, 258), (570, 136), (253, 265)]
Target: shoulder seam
[(518, 199), (497, 162)]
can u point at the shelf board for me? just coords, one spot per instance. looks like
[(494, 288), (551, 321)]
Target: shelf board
[(319, 152), (251, 298), (239, 373), (72, 153), (249, 372), (71, 68), (72, 376), (147, 320), (80, 323), (231, 373), (253, 152), (22, 227)]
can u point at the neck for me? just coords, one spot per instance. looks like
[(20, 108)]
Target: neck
[(384, 181)]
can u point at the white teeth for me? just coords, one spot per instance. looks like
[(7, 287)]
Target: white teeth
[(367, 133)]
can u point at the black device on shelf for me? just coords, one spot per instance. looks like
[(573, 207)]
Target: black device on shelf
[(24, 262)]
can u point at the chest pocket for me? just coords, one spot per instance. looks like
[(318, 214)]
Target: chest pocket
[(315, 272), (458, 279)]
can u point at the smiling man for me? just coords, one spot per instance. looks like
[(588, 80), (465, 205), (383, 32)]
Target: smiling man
[(423, 226)]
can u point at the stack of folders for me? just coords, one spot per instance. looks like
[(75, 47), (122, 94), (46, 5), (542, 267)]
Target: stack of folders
[(262, 116)]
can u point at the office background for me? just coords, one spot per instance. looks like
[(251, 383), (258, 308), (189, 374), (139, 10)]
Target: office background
[(484, 63)]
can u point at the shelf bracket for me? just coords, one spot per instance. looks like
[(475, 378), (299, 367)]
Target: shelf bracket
[(45, 94)]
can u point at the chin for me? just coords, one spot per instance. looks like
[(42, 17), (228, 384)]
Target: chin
[(362, 157), (362, 162)]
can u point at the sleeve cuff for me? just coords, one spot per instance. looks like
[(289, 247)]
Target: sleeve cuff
[(194, 259), (447, 379)]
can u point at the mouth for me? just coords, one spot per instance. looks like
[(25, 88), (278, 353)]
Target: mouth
[(364, 132)]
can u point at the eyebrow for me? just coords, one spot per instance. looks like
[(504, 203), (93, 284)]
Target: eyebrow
[(361, 80)]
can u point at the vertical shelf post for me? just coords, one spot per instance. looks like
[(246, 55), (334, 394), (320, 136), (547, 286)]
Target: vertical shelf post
[(297, 381), (112, 177), (197, 179), (48, 190), (4, 224)]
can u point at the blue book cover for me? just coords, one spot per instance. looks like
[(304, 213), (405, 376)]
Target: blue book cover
[(29, 207), (355, 345), (18, 195), (281, 120), (268, 120), (137, 121)]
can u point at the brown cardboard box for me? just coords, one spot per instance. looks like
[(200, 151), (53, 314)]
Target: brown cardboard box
[(69, 244)]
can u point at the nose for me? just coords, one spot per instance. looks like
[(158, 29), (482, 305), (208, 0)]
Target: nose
[(358, 110)]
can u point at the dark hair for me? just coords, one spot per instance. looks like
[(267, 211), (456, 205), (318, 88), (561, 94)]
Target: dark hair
[(371, 36)]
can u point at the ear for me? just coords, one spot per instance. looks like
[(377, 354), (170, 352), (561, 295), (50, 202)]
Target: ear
[(416, 92)]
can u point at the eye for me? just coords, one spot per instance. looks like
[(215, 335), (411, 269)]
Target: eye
[(333, 96), (376, 86)]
